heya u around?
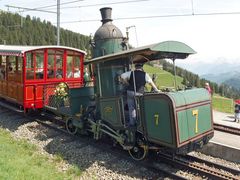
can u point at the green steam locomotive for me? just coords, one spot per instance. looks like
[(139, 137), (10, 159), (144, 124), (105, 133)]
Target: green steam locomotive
[(177, 121)]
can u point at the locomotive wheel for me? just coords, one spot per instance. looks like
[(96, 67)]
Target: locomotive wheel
[(139, 150), (70, 127)]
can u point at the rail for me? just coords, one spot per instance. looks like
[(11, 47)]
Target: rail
[(201, 167), (227, 129)]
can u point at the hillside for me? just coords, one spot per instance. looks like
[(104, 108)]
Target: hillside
[(230, 78), (17, 30), (234, 82), (164, 79), (218, 78), (220, 70)]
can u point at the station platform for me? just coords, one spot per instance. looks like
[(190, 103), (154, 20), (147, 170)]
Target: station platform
[(224, 145), (225, 119)]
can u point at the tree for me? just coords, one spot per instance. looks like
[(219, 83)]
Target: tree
[(36, 32)]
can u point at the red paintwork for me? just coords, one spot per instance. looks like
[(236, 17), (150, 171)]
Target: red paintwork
[(32, 89)]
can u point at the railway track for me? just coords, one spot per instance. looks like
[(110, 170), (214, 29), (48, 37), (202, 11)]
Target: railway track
[(201, 167), (212, 164), (227, 129), (186, 163)]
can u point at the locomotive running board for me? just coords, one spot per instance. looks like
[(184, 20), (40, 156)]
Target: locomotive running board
[(11, 107)]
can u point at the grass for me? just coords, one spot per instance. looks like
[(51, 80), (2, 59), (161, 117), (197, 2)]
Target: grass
[(164, 79), (222, 104), (20, 160)]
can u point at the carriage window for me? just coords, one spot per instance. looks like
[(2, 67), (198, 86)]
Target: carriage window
[(50, 70), (73, 67), (34, 65), (39, 65), (29, 66), (55, 64), (3, 68), (11, 64), (69, 66), (19, 64), (29, 60), (59, 66)]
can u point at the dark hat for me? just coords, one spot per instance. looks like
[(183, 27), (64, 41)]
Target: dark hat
[(139, 65)]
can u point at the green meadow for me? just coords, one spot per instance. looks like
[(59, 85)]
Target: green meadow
[(222, 104), (20, 160), (164, 79)]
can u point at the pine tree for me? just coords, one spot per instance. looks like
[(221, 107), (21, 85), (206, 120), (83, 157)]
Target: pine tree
[(36, 32)]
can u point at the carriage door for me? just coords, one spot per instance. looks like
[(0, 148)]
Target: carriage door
[(34, 79)]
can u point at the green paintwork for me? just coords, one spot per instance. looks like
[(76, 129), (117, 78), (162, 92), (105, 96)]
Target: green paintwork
[(107, 46), (173, 46), (170, 118), (109, 74), (158, 119), (189, 96), (111, 111), (189, 123), (80, 98)]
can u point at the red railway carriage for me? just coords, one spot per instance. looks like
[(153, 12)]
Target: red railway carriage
[(26, 70)]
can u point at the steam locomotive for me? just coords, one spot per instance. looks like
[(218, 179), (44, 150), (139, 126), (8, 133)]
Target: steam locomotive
[(179, 121)]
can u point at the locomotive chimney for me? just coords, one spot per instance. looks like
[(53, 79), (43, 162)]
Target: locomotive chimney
[(106, 14), (108, 39)]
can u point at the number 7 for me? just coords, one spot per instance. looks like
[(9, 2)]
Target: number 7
[(195, 113), (156, 117)]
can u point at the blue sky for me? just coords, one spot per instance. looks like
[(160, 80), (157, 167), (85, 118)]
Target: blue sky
[(215, 37)]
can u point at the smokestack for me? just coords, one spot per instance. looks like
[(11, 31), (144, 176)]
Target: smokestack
[(106, 14)]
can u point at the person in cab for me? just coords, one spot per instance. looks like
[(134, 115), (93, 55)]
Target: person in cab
[(140, 78)]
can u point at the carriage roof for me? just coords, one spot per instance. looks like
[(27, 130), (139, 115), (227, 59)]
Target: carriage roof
[(162, 50), (20, 50)]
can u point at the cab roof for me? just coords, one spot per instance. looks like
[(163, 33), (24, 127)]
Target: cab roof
[(162, 50)]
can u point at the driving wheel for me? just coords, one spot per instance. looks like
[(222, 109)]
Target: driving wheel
[(140, 149), (70, 126)]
